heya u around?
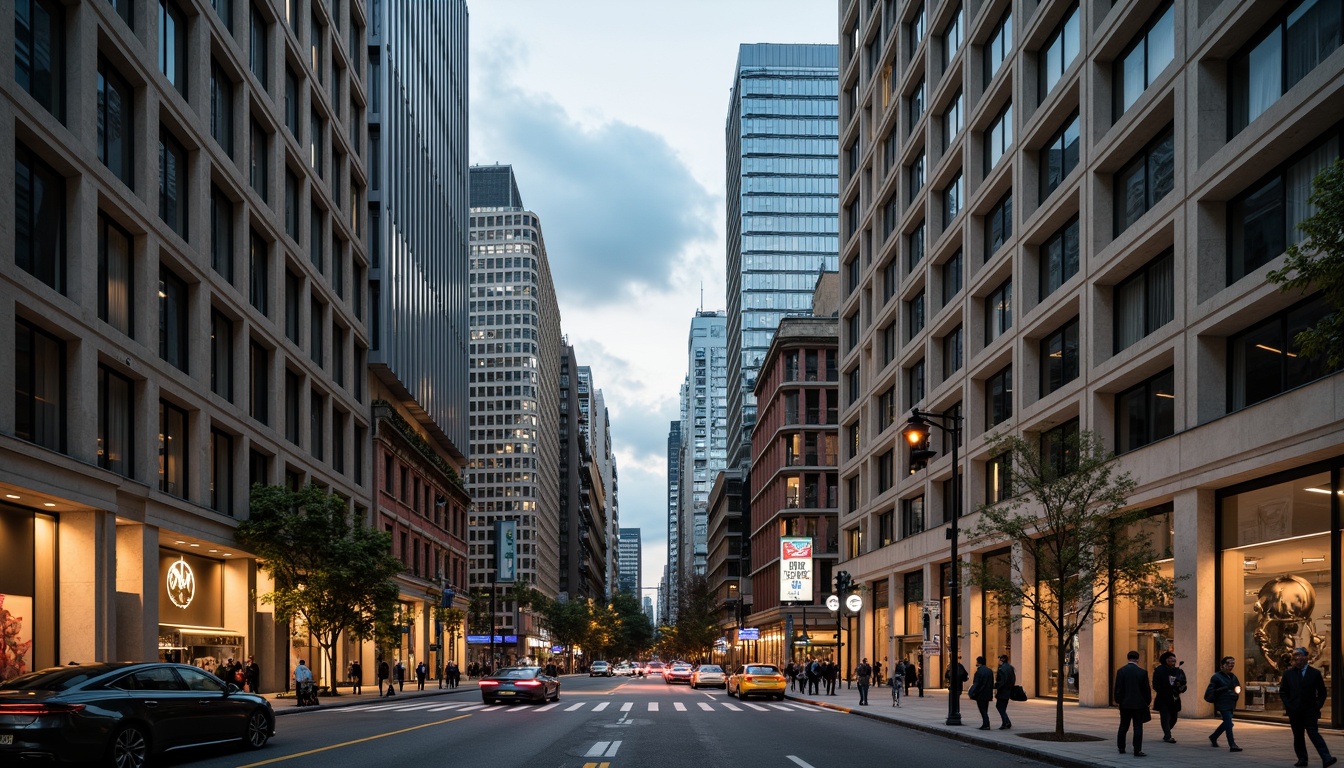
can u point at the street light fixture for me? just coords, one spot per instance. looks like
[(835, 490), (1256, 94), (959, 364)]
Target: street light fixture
[(916, 434)]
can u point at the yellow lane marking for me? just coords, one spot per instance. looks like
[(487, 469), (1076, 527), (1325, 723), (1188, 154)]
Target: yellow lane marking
[(597, 765), (351, 743)]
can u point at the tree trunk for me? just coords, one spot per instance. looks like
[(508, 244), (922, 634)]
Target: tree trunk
[(329, 650), (1060, 641)]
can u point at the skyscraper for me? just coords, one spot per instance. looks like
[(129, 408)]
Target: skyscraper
[(582, 544), (515, 391), (783, 212), (666, 596), (630, 562), (704, 438)]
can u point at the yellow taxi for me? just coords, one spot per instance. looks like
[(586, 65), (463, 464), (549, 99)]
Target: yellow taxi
[(757, 680)]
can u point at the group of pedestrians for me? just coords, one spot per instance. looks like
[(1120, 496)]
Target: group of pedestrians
[(246, 676), (998, 685)]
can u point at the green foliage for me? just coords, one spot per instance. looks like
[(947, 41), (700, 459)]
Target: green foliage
[(478, 612), (697, 624), (634, 635), (330, 572), (1075, 549), (1318, 263)]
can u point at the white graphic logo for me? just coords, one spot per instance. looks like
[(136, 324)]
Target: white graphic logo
[(181, 583)]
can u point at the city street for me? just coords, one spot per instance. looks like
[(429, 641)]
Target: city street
[(598, 723)]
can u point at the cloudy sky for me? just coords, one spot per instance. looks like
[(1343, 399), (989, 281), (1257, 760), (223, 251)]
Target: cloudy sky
[(612, 113)]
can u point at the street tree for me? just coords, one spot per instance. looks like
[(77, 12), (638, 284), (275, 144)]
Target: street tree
[(566, 620), (1077, 546), (1317, 263), (697, 624), (634, 632), (330, 572), (479, 620)]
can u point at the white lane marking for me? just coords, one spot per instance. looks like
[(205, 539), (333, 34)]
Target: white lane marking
[(653, 706), (447, 706), (597, 749), (627, 706), (677, 705), (781, 706), (520, 709), (615, 745), (552, 705), (601, 706), (472, 707), (492, 709), (733, 707), (800, 761), (573, 707), (706, 707), (410, 707), (756, 707)]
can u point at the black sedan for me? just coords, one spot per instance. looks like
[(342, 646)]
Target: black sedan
[(123, 714), (519, 684)]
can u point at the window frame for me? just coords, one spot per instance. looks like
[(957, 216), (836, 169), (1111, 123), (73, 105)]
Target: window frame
[(1141, 40), (1067, 152), (1052, 279), (1148, 274), (108, 76), (1149, 391), (1142, 165), (24, 77), (47, 260), (999, 397), (1065, 342)]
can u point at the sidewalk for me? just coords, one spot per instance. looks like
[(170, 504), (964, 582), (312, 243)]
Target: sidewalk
[(1264, 743)]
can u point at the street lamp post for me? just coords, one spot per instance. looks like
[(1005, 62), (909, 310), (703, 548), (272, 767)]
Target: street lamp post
[(917, 437)]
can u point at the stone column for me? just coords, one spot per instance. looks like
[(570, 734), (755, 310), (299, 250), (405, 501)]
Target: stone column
[(137, 597), (86, 541)]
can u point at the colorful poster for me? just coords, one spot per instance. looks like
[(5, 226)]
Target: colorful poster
[(506, 551), (16, 635), (795, 569)]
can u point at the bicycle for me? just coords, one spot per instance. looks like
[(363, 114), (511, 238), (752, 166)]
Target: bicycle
[(896, 689)]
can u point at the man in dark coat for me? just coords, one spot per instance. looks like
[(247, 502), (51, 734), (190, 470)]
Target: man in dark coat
[(1168, 685), (1302, 690), (982, 690), (356, 677), (1005, 679), (864, 674), (1132, 695), (385, 676)]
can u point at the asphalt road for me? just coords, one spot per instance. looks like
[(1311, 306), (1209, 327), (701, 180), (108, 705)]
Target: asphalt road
[(598, 723)]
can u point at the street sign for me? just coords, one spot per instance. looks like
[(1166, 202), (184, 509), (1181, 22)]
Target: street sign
[(833, 602), (854, 603), (933, 647), (749, 633)]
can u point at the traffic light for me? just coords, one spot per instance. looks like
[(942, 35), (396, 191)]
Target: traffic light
[(844, 584), (917, 437)]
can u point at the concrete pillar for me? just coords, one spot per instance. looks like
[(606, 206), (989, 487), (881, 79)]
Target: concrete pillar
[(1195, 554), (87, 586), (137, 598)]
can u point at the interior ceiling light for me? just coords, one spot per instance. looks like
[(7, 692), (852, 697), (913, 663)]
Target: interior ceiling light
[(1306, 560), (12, 496)]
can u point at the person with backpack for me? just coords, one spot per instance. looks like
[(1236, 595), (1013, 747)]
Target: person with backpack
[(1168, 685), (813, 677), (385, 676), (421, 672), (1224, 692)]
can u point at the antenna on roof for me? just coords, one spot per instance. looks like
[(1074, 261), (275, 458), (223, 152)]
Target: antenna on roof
[(702, 295)]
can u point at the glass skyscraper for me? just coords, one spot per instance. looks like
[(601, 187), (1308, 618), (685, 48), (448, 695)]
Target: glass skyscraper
[(782, 200)]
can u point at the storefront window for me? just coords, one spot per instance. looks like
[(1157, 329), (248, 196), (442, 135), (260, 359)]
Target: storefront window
[(1276, 585), (997, 629), (1148, 628), (909, 645), (1047, 655), (881, 623), (27, 591)]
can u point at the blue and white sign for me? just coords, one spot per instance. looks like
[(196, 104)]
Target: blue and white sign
[(485, 639), (749, 633), (506, 551)]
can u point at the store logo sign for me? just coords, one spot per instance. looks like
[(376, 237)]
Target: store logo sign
[(181, 583)]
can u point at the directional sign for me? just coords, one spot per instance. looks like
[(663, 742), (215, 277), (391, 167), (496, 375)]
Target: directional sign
[(749, 633)]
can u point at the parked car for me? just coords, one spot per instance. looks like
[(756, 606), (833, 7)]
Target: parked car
[(757, 680), (625, 669), (600, 669), (678, 673), (710, 676), (655, 668), (124, 713), (519, 684)]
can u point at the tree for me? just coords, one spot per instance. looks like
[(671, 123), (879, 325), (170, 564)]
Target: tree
[(634, 632), (567, 621), (697, 624), (1318, 262), (479, 620), (329, 571), (451, 619), (1077, 548)]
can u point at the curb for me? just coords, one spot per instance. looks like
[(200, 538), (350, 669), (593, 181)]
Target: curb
[(967, 738)]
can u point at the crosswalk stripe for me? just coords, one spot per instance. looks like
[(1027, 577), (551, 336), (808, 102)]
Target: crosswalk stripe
[(627, 706), (447, 706), (520, 709), (756, 707), (733, 707), (706, 707), (472, 707), (601, 706), (492, 709), (781, 706), (552, 705), (679, 706), (412, 707), (653, 706), (573, 707)]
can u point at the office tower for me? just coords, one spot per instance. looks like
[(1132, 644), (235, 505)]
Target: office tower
[(1059, 218), (417, 287), (631, 561), (187, 243), (648, 611), (667, 596), (704, 436), (582, 549), (514, 468), (783, 210), (597, 427)]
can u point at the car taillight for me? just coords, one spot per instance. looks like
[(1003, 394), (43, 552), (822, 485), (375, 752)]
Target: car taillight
[(749, 678), (527, 684), (35, 710), (488, 683)]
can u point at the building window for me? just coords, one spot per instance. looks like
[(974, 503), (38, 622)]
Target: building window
[(915, 251), (886, 528), (916, 28), (317, 130), (39, 219), (886, 409), (1059, 157), (1145, 301), (361, 436), (116, 403), (1059, 258), (953, 349), (954, 195), (914, 384), (954, 119), (998, 138), (221, 472), (221, 355), (259, 382), (998, 478), (316, 239), (914, 315), (315, 335), (115, 123), (258, 51), (1299, 39), (890, 346), (1059, 357), (1265, 360), (173, 46), (173, 315), (224, 9), (1145, 181), (1058, 455), (338, 356), (891, 215), (999, 311), (221, 108), (912, 516), (292, 103), (953, 35), (1059, 52), (115, 276), (1263, 220), (172, 450), (338, 443), (172, 183), (316, 59), (999, 45), (952, 276), (292, 406), (258, 273), (998, 225), (292, 204), (1144, 59), (258, 166), (1146, 413), (884, 472), (39, 387), (293, 303), (317, 436), (39, 53), (221, 234), (851, 330), (915, 173), (999, 397), (916, 101), (891, 279)]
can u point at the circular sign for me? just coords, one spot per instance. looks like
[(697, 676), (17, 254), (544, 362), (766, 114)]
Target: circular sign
[(854, 603), (181, 583), (833, 602)]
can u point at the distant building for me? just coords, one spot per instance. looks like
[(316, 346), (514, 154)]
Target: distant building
[(631, 561), (583, 550), (666, 593), (704, 436)]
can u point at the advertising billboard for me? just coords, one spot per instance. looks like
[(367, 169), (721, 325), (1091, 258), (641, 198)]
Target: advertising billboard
[(506, 551), (795, 569)]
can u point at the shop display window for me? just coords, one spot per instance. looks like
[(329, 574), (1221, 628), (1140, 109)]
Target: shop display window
[(1149, 628)]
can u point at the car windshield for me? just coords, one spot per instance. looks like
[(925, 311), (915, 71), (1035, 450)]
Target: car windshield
[(517, 673), (655, 665), (710, 668), (681, 667), (54, 679), (761, 669)]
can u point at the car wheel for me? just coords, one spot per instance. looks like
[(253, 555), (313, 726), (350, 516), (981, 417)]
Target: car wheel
[(258, 730), (486, 701), (129, 748)]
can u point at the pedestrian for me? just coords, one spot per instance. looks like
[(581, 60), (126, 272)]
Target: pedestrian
[(303, 678), (789, 672), (1224, 692), (1005, 680), (813, 677), (252, 675), (1132, 695), (1168, 685), (385, 676), (956, 675), (356, 677), (832, 674), (1303, 693), (864, 674), (982, 690), (421, 672), (911, 676), (455, 674), (877, 673), (399, 674)]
